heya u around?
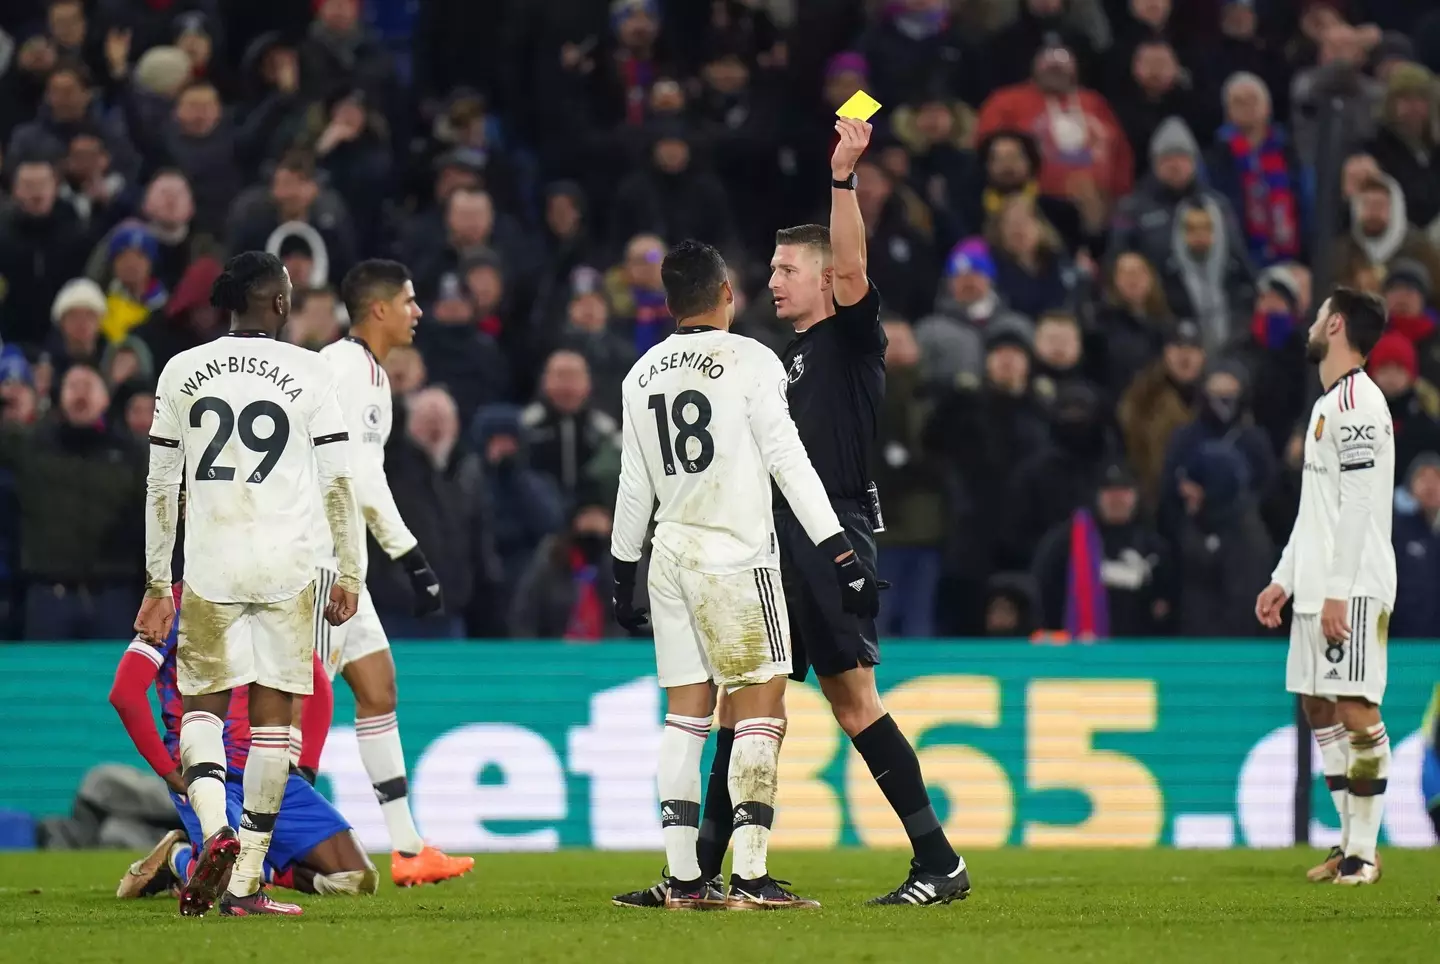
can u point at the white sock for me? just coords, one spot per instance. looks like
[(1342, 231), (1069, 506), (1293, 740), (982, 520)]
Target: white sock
[(265, 774), (1335, 760), (678, 779), (202, 764), (384, 760), (752, 779), (1369, 773), (297, 742)]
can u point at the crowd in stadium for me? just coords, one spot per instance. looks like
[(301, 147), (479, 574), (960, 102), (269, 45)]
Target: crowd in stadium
[(1096, 226)]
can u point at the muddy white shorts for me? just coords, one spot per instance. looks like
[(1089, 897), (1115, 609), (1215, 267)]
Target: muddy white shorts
[(1317, 666), (225, 645)]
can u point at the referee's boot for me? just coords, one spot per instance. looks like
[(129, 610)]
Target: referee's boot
[(927, 887)]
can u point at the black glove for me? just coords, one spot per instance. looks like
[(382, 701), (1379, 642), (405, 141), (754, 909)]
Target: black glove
[(424, 582), (859, 595), (626, 614)]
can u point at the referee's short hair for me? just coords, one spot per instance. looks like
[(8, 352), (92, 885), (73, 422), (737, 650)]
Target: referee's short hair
[(693, 274), (1364, 316), (815, 236)]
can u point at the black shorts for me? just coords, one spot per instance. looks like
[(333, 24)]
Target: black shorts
[(822, 635)]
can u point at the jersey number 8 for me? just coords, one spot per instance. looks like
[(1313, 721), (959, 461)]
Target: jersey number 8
[(271, 446), (688, 429)]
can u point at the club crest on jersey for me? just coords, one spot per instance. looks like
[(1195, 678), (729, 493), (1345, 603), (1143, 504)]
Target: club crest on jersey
[(797, 368), (1319, 427)]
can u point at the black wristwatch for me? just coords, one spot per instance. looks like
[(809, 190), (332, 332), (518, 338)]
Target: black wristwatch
[(846, 185)]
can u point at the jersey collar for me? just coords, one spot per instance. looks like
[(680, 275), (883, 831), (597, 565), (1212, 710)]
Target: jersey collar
[(248, 333), (693, 329), (361, 342), (1341, 380)]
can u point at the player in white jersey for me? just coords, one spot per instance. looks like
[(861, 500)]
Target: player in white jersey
[(1339, 568), (380, 298), (253, 428), (706, 428)]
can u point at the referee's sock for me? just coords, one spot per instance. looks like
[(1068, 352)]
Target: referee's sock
[(896, 770), (719, 818)]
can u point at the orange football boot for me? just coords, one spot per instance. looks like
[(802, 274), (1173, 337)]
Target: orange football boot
[(429, 866)]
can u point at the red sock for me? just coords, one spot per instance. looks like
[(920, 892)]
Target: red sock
[(315, 716), (283, 878)]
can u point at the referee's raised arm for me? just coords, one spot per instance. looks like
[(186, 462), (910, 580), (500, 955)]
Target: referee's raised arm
[(847, 226)]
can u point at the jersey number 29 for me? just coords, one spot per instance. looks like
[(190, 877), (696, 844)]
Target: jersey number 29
[(688, 429), (271, 446)]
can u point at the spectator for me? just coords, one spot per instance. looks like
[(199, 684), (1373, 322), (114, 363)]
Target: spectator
[(1010, 161), (69, 105), (671, 197), (133, 411), (405, 367), (910, 546), (1123, 562), (42, 245), (1342, 55), (1158, 402), (1130, 326), (1145, 221), (1205, 278), (151, 23), (339, 52), (127, 361), (81, 491), (1051, 484), (1032, 272), (1414, 404), (569, 248), (614, 86), (99, 195), (270, 98), (470, 224), (1380, 231), (458, 355), (293, 194), (635, 293), (1086, 155), (1409, 136), (570, 439), (23, 86), (1011, 609), (1040, 23), (68, 28), (1417, 554), (1241, 48), (527, 503), (565, 591), (1275, 341), (76, 339), (608, 355), (439, 489), (316, 319), (899, 240), (1225, 553), (936, 132), (135, 292), (188, 320), (1408, 291), (952, 340), (1257, 170), (168, 212), (350, 140), (1156, 91), (1223, 416)]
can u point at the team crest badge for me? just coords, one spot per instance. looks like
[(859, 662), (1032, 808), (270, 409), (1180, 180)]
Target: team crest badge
[(1319, 427), (372, 416), (797, 368)]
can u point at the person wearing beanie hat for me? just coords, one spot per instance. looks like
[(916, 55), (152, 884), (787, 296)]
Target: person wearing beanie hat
[(135, 291), (1409, 294), (1414, 402), (966, 305), (76, 339), (1407, 146)]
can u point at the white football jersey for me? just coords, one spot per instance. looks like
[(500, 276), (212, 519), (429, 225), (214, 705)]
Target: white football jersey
[(705, 429), (364, 391), (244, 412), (1340, 546)]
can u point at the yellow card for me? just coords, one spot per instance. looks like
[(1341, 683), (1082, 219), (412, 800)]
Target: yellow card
[(861, 107)]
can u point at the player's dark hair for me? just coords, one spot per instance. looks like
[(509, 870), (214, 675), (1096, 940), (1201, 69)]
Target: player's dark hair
[(806, 235), (369, 282), (692, 274), (245, 274), (1364, 316)]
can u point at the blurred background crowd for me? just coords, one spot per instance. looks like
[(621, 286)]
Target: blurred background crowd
[(1099, 228)]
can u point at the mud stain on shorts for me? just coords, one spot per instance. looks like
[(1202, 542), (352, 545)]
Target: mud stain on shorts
[(732, 630), (292, 623), (201, 650)]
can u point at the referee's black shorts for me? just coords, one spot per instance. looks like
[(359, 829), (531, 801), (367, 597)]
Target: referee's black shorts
[(822, 635)]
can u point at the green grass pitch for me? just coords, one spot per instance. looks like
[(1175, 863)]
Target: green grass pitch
[(1230, 907)]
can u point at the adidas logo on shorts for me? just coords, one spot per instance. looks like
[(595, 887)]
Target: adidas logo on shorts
[(1333, 674)]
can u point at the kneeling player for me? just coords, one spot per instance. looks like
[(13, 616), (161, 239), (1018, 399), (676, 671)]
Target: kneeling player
[(705, 430), (313, 849)]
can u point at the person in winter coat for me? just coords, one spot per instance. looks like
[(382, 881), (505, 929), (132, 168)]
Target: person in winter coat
[(569, 248), (134, 290), (526, 503), (1205, 278), (918, 43), (340, 51), (294, 194), (1380, 231), (76, 339), (350, 140), (1033, 273), (1159, 401), (70, 104), (1407, 143), (1010, 163), (1224, 551), (458, 355), (671, 197), (569, 437), (1255, 167), (564, 592), (42, 246), (188, 319), (1130, 326), (1224, 416), (1279, 386), (1409, 290), (1059, 354), (1414, 403), (1155, 89), (608, 355), (952, 339), (1416, 536), (1039, 23), (1341, 62), (168, 211), (1106, 560)]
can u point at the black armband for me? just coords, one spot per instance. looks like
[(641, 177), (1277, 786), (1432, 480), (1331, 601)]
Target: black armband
[(836, 546), (414, 561)]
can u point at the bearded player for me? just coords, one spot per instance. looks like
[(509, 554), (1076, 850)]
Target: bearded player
[(1339, 568), (381, 300)]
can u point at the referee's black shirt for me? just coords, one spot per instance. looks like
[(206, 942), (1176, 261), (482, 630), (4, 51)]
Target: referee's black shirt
[(837, 385)]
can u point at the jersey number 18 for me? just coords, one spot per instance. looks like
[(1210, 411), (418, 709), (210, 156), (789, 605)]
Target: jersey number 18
[(271, 446), (688, 429)]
